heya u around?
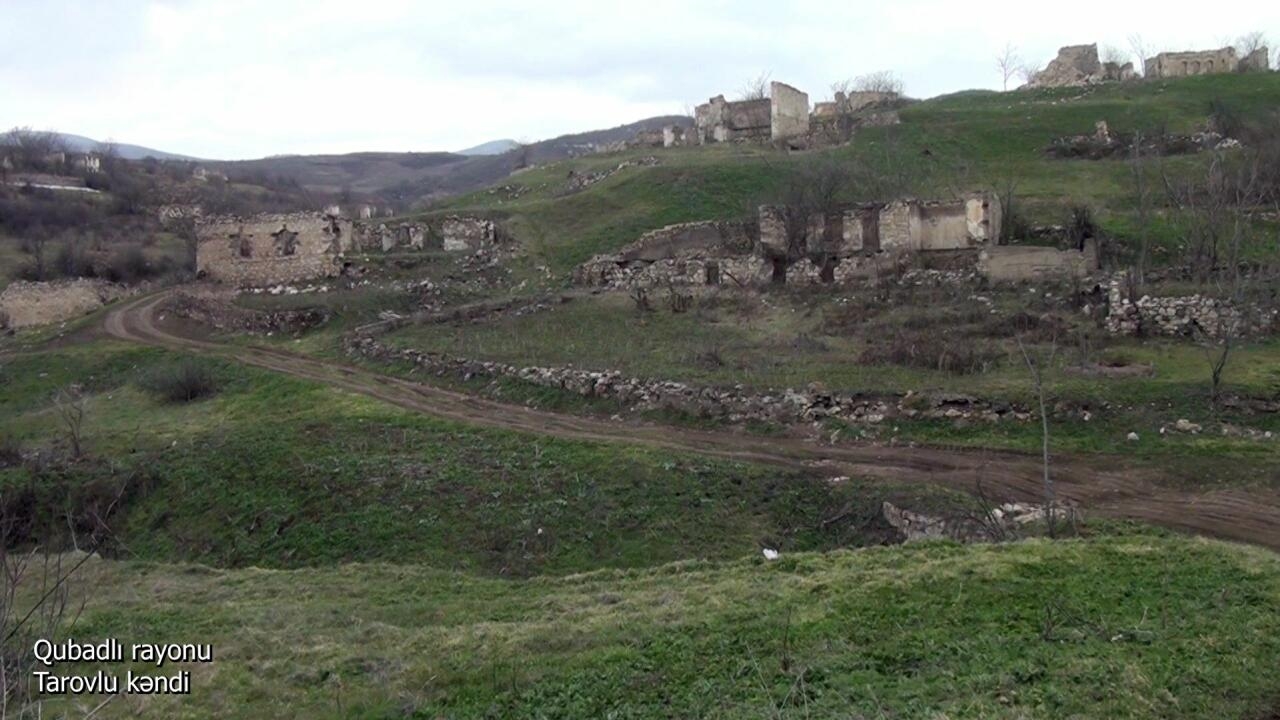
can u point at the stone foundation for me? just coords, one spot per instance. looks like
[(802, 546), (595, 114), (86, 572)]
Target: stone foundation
[(732, 404)]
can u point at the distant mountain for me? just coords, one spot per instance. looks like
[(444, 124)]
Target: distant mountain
[(79, 143), (493, 147), (410, 177)]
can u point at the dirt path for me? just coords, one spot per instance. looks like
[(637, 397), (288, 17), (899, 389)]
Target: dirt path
[(1100, 485)]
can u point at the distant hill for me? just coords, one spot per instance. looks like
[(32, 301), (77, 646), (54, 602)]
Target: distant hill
[(493, 147), (414, 176), (79, 143)]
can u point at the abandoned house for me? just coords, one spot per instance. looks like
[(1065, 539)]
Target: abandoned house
[(836, 246), (784, 114), (271, 248), (454, 233), (1078, 65), (1205, 62)]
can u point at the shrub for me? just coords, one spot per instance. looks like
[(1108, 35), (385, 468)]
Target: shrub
[(184, 381), (129, 265)]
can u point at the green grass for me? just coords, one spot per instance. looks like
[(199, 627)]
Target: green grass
[(1117, 627), (279, 472), (974, 139), (790, 342)]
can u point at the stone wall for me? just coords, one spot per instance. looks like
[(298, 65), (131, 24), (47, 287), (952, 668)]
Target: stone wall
[(719, 120), (271, 248), (735, 404), (680, 253), (23, 303), (455, 233), (788, 111), (175, 214), (468, 234), (1078, 65), (1257, 61), (1201, 62), (1014, 263), (852, 102), (1186, 315)]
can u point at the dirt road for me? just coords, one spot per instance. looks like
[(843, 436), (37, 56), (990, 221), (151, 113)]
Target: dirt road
[(1100, 485)]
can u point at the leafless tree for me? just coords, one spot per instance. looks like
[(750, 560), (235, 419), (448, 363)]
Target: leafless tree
[(1036, 366), (1142, 190), (1112, 54), (1027, 72), (757, 88), (31, 149), (70, 403), (1141, 50), (811, 193), (1008, 63), (881, 81), (1250, 42)]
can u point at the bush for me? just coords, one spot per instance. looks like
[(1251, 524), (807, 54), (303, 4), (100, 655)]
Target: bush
[(129, 265), (181, 382)]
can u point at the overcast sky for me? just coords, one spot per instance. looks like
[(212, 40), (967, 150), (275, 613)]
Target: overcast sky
[(234, 79)]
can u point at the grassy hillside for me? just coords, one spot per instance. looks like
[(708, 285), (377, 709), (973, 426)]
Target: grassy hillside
[(1133, 627), (946, 144), (278, 472)]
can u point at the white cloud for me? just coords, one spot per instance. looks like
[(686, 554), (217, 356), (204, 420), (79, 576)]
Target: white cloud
[(232, 78)]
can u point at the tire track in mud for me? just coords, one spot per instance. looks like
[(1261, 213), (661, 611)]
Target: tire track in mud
[(1099, 485)]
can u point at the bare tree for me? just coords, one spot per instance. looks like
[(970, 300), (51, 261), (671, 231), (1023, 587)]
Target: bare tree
[(1141, 50), (1027, 72), (1008, 63), (1142, 190), (31, 149), (1249, 43), (757, 88), (1112, 54), (811, 193), (881, 81), (70, 403), (1036, 368)]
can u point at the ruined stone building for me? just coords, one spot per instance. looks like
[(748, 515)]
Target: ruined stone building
[(852, 102), (1078, 65), (784, 114), (1205, 62), (271, 248), (454, 233), (838, 246)]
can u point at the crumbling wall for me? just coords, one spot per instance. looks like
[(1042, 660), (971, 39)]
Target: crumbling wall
[(467, 234), (271, 248), (1201, 62), (1078, 65), (369, 237), (719, 120), (788, 111), (1015, 263), (1185, 315), (175, 214), (852, 102), (1257, 61), (684, 253), (23, 303)]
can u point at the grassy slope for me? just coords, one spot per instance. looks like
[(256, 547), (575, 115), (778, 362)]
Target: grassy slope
[(274, 471), (787, 344), (974, 139), (1133, 627)]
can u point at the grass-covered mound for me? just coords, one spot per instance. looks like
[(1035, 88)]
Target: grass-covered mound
[(1132, 627)]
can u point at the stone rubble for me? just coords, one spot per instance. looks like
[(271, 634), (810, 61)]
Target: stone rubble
[(734, 404), (1178, 316)]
